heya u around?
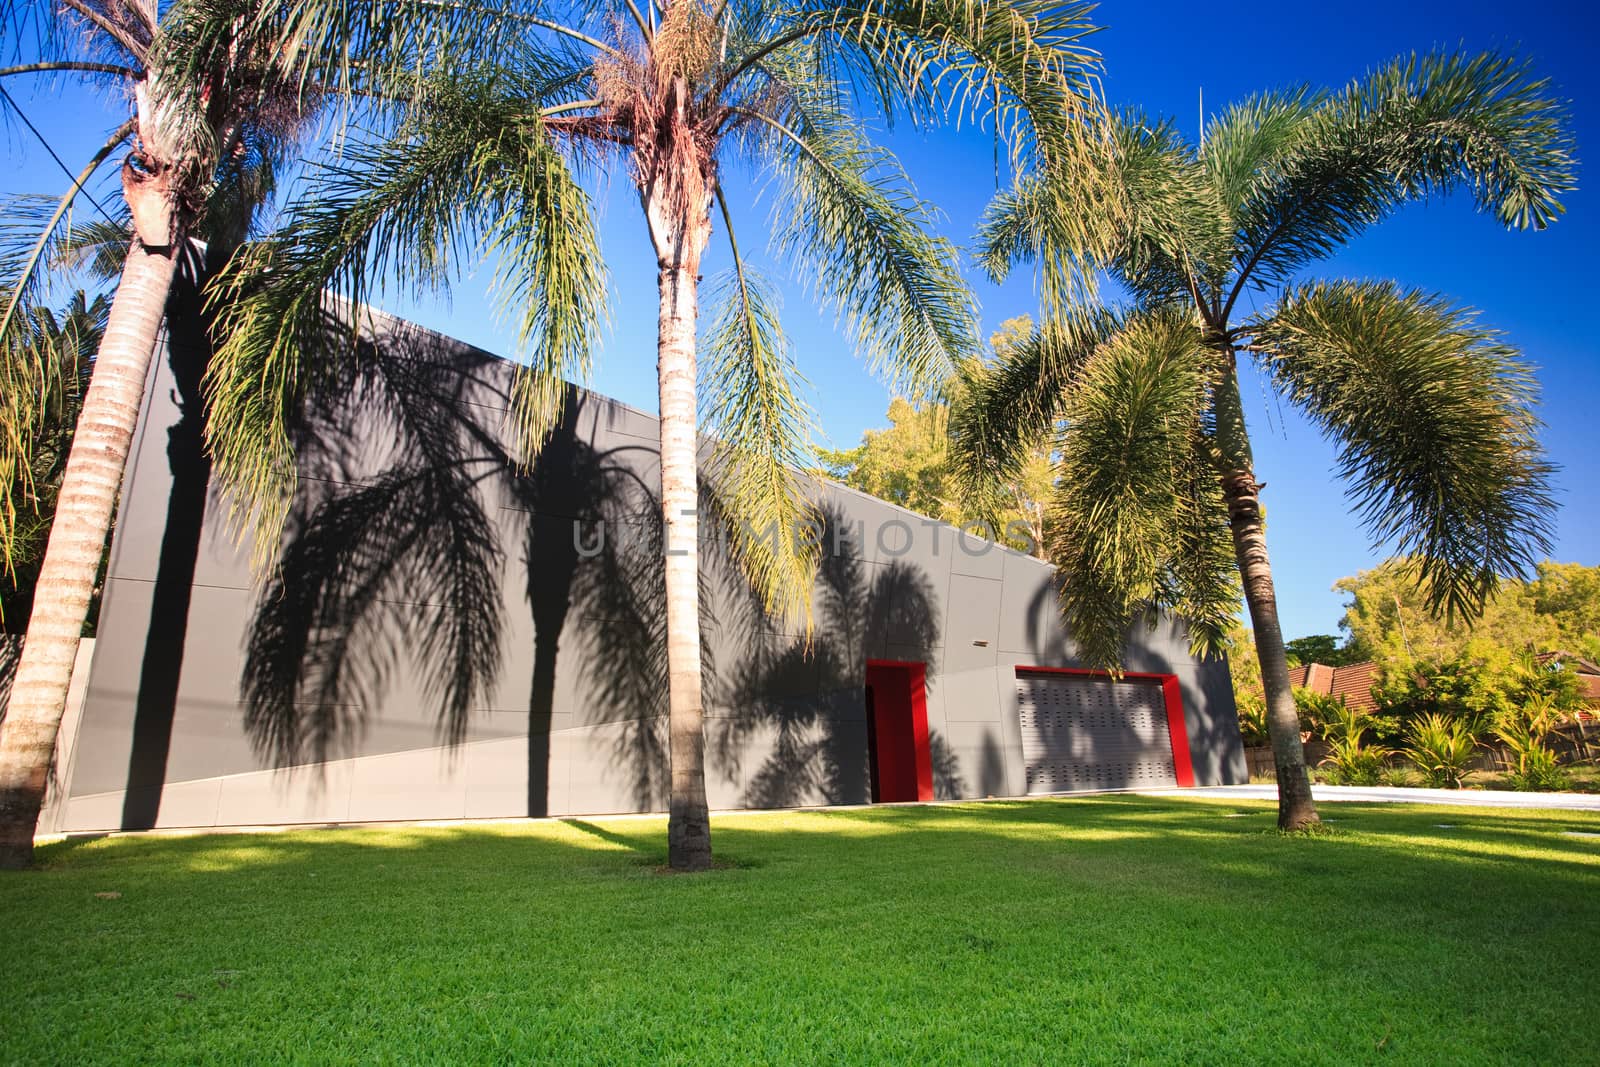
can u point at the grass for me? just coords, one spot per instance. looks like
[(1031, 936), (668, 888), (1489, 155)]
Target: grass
[(1111, 929)]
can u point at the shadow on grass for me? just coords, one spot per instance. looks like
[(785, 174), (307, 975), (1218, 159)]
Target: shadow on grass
[(646, 845), (1386, 828), (1377, 841)]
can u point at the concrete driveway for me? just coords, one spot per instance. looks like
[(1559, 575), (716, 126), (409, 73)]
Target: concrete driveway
[(1466, 798)]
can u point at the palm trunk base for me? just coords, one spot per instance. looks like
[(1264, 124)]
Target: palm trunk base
[(1296, 810), (689, 837), (19, 817)]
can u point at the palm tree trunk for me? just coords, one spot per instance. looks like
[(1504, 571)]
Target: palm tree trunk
[(1296, 809), (679, 242), (77, 539)]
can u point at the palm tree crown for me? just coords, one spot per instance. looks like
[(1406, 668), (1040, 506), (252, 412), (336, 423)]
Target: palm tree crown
[(490, 160), (1158, 504)]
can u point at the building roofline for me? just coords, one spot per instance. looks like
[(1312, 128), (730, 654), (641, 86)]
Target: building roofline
[(391, 320)]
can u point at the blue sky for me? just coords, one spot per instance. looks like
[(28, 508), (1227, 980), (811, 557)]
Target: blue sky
[(1534, 286)]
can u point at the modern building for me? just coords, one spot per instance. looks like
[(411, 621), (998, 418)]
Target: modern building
[(443, 636)]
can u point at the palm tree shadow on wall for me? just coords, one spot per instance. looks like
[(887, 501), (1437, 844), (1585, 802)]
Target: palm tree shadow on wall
[(188, 352), (1147, 635), (392, 575), (388, 561), (393, 567), (807, 692), (596, 576)]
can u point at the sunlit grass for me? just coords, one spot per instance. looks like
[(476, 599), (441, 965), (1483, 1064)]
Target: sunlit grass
[(1107, 929)]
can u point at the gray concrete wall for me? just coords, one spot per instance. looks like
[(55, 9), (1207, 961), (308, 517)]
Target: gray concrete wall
[(436, 643)]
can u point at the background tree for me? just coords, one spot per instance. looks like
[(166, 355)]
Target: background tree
[(1388, 614), (682, 98), (218, 91), (64, 343), (1569, 594), (1249, 699), (909, 462), (1323, 648), (1431, 413)]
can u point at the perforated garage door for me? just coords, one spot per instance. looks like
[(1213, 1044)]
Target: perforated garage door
[(1081, 733)]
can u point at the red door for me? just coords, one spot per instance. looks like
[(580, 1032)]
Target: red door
[(897, 710)]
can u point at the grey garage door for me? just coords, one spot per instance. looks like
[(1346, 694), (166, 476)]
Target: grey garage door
[(1083, 733)]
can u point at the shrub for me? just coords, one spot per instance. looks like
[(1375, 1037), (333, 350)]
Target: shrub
[(1522, 731), (1480, 685), (1540, 775), (1442, 749), (1399, 777), (1252, 719), (1342, 723), (1350, 761), (1316, 709)]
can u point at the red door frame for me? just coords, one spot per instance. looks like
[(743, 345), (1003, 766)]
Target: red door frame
[(1171, 695), (900, 727)]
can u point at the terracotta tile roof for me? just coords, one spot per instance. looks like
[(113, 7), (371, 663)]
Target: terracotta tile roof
[(1591, 688), (1353, 682)]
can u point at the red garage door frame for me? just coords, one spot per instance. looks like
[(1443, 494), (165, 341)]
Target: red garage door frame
[(1171, 696)]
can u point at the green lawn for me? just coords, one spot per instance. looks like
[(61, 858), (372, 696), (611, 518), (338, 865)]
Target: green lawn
[(1107, 930)]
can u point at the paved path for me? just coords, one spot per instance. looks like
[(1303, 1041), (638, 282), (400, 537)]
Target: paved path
[(1467, 798)]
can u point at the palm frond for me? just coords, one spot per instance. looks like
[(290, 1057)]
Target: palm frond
[(31, 230), (1202, 586), (97, 247), (1144, 211), (551, 270), (44, 370), (35, 236), (1127, 463), (465, 175), (1484, 122), (862, 243), (112, 31), (763, 429), (1422, 125), (304, 50), (1003, 410), (1021, 66), (1434, 419), (1251, 136)]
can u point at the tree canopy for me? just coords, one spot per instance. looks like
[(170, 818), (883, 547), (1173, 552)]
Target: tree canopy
[(1323, 648), (1388, 617), (909, 462)]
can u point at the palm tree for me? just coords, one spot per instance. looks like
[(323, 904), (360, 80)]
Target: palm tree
[(219, 89), (687, 94), (1158, 503)]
